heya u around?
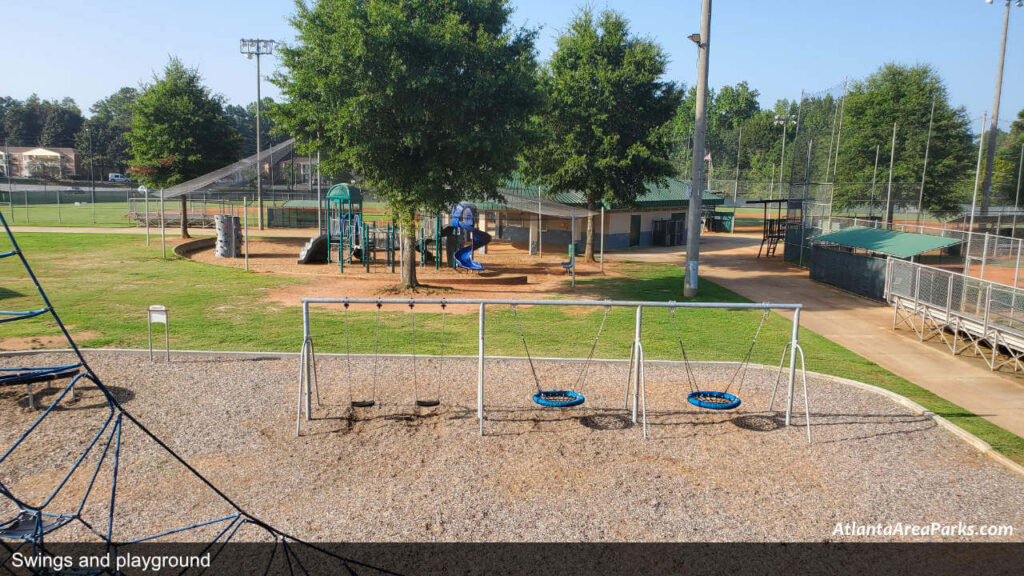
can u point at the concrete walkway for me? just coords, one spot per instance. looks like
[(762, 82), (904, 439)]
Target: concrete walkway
[(858, 324)]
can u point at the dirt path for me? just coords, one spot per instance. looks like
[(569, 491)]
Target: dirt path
[(858, 324)]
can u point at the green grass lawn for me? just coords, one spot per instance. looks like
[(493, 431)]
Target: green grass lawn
[(102, 284), (112, 214)]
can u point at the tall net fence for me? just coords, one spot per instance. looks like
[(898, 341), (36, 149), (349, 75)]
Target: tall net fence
[(915, 163)]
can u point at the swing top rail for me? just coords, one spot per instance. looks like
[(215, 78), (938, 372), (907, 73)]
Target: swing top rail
[(638, 387), (526, 302)]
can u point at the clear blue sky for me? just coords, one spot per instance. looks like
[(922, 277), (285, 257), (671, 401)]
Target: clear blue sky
[(89, 49)]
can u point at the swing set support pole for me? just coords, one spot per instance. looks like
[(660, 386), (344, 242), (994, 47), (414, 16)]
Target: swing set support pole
[(794, 344), (480, 372), (637, 372)]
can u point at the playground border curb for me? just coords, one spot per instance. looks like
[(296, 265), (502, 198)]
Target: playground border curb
[(978, 444)]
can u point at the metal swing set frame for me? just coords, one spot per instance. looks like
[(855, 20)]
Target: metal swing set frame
[(636, 397)]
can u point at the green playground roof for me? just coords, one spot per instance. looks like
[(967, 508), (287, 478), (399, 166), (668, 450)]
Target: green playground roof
[(898, 244), (675, 193), (345, 192)]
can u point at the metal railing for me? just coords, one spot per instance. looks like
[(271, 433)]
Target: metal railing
[(955, 306), (635, 385)]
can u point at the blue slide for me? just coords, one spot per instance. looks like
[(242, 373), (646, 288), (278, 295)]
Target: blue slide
[(464, 218)]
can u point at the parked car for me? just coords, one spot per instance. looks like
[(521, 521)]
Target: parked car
[(115, 177)]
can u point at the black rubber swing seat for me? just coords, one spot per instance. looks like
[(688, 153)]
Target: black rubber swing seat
[(363, 403), (428, 403), (713, 400), (29, 525)]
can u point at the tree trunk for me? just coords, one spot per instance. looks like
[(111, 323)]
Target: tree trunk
[(408, 263), (184, 217), (589, 254)]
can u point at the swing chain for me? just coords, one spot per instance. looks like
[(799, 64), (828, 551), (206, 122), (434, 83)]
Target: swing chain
[(741, 370), (522, 336), (415, 379), (581, 380), (440, 362), (691, 378), (348, 356)]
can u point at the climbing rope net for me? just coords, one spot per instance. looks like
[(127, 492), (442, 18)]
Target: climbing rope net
[(90, 493)]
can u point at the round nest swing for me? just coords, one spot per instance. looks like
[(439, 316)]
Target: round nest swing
[(558, 398), (713, 400)]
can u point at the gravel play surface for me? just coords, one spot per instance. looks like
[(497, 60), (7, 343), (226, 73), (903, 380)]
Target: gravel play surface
[(396, 472)]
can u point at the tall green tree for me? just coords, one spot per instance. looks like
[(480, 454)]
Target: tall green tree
[(243, 118), (103, 138), (179, 132), (37, 122), (1008, 162), (903, 95), (605, 125), (427, 101)]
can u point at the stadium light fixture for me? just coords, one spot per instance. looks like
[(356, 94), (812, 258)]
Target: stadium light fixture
[(257, 47)]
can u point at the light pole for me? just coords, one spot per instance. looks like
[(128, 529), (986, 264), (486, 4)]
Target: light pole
[(784, 120), (703, 42), (990, 153), (145, 195), (257, 47), (92, 179)]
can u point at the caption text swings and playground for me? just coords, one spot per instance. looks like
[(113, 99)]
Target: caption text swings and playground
[(145, 563)]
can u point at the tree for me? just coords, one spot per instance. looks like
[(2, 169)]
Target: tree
[(37, 122), (179, 132), (903, 94), (605, 125), (108, 128), (1008, 160), (243, 118), (426, 100)]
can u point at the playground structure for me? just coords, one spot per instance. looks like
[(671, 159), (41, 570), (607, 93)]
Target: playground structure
[(548, 396), (92, 511), (464, 216)]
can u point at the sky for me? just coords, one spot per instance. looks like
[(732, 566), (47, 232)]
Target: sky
[(89, 49)]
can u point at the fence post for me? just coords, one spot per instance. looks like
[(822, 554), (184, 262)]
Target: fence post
[(988, 305), (949, 298), (984, 257), (1016, 267)]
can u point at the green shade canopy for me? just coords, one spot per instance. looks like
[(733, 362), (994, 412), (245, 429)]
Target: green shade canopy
[(898, 244), (345, 193)]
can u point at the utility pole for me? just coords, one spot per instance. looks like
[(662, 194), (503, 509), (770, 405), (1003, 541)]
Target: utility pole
[(92, 178), (888, 198), (974, 198), (258, 47), (703, 41), (990, 153), (874, 176), (1016, 202), (924, 171), (736, 185)]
